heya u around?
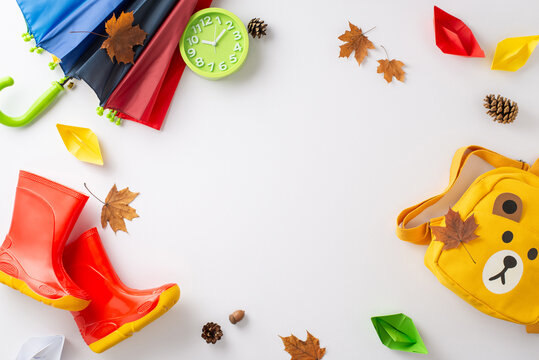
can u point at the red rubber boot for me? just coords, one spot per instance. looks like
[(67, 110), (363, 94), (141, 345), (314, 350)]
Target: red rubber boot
[(31, 255), (116, 311)]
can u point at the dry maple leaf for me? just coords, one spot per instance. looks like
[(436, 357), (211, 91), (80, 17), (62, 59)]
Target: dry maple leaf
[(455, 231), (391, 68), (303, 350), (356, 41), (123, 36), (116, 208)]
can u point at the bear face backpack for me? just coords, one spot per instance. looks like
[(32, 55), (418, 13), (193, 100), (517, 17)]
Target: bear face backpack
[(483, 235)]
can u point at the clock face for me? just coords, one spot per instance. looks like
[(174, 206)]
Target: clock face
[(214, 43)]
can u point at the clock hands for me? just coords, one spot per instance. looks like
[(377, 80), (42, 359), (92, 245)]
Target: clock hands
[(214, 42), (219, 37)]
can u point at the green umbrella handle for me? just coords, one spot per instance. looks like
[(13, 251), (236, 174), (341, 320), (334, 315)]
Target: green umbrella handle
[(37, 107)]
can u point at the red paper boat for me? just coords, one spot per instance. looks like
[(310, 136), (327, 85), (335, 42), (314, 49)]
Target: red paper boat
[(453, 36)]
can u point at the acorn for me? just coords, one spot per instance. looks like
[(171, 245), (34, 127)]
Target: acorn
[(236, 316)]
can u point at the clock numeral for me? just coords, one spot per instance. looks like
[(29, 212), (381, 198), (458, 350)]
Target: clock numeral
[(233, 59), (211, 66), (199, 61), (207, 21), (237, 35), (237, 47), (222, 66), (191, 52), (195, 28), (218, 20), (230, 26), (192, 40)]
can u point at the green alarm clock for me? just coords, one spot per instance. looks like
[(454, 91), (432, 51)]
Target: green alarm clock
[(215, 43)]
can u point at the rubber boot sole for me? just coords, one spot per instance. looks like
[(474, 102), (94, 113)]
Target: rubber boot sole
[(68, 302), (167, 300)]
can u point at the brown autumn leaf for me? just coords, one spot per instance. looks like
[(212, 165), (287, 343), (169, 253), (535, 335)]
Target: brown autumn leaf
[(391, 68), (455, 231), (355, 41), (123, 36), (117, 208), (303, 350)]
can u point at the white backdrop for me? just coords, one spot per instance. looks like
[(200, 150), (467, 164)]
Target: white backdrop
[(281, 198)]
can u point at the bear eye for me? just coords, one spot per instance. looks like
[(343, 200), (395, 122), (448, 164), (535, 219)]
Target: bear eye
[(532, 253), (507, 237), (509, 206)]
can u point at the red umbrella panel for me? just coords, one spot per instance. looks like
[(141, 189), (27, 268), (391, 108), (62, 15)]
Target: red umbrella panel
[(145, 93)]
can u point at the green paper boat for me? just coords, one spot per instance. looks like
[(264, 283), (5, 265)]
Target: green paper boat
[(398, 332)]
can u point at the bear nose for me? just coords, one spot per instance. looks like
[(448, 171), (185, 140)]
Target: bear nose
[(509, 262)]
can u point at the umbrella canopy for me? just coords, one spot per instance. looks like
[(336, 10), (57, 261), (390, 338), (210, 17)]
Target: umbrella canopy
[(141, 91)]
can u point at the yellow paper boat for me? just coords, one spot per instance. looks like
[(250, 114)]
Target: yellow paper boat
[(82, 143)]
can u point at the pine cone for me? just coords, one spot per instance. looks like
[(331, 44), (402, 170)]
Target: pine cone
[(501, 109), (211, 332), (257, 28)]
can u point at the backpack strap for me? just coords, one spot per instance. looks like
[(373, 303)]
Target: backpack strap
[(533, 328), (534, 169), (421, 234)]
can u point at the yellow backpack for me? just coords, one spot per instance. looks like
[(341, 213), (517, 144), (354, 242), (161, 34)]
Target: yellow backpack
[(497, 270)]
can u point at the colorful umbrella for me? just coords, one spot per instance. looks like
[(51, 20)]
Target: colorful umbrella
[(141, 91)]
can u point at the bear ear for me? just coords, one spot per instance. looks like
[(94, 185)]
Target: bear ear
[(509, 206)]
